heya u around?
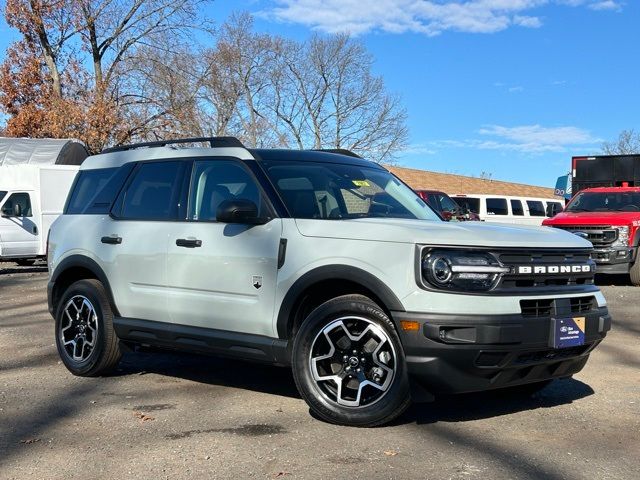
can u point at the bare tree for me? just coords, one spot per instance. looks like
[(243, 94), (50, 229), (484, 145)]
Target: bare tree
[(628, 142)]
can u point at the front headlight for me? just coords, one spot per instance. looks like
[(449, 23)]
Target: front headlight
[(459, 270), (623, 237)]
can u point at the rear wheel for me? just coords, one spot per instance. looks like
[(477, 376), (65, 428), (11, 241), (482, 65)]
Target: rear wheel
[(87, 344), (634, 273), (349, 365)]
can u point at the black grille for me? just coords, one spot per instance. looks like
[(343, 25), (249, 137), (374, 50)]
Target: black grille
[(547, 307), (597, 235), (544, 355), (536, 308), (546, 281)]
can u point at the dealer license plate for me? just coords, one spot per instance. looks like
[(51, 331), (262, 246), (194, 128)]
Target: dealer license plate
[(568, 332)]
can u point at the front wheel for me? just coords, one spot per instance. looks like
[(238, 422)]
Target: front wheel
[(348, 363), (634, 272), (86, 341)]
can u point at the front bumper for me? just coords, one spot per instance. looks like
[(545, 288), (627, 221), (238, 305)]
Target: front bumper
[(614, 260), (457, 354)]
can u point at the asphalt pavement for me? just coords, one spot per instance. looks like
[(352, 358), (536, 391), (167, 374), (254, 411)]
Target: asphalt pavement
[(175, 416)]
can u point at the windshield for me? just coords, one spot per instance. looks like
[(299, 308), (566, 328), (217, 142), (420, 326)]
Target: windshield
[(338, 191), (605, 202), (2, 194), (447, 204)]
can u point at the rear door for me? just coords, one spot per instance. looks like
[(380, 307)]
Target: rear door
[(19, 234), (133, 240), (223, 276)]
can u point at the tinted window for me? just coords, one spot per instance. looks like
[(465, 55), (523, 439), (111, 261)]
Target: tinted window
[(2, 194), (21, 199), (344, 191), (153, 192), (432, 200), (516, 207), (553, 208), (497, 206), (95, 190), (468, 203), (213, 182), (536, 209)]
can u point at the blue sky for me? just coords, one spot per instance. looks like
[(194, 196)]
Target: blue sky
[(509, 87)]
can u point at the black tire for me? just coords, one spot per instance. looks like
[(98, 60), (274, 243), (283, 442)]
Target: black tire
[(634, 273), (25, 263), (105, 354), (391, 402)]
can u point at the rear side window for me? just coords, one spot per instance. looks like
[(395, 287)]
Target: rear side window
[(497, 206), (95, 190), (516, 208), (153, 192), (470, 204), (536, 208)]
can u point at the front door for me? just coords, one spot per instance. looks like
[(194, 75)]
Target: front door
[(19, 234), (223, 276)]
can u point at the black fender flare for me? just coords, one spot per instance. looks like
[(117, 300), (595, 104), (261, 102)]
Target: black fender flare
[(334, 272), (80, 261)]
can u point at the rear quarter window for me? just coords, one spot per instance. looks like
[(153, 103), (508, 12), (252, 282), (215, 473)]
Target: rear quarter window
[(94, 191)]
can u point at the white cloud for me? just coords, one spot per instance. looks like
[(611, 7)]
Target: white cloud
[(528, 139), (428, 17)]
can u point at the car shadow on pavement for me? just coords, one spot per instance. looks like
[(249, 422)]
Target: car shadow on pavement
[(8, 270), (210, 370), (476, 406)]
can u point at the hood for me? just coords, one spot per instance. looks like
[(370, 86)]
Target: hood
[(593, 218), (441, 233)]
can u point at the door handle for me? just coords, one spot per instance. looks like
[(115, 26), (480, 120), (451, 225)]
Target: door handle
[(35, 230), (188, 242), (112, 240)]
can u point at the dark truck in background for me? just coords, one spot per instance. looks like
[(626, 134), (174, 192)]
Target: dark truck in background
[(605, 210)]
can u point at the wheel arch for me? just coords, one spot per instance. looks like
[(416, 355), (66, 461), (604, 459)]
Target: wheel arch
[(326, 282), (72, 269)]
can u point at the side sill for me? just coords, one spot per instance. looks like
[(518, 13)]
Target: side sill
[(203, 340)]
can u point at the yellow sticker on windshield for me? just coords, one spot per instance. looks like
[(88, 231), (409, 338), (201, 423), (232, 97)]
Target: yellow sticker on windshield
[(361, 183)]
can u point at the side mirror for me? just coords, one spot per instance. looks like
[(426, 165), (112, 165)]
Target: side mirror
[(238, 211), (17, 210)]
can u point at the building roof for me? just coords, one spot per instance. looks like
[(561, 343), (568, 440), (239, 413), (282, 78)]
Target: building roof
[(41, 151), (452, 184)]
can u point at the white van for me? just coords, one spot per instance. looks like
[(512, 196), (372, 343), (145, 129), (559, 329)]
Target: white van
[(36, 175), (31, 198), (509, 209)]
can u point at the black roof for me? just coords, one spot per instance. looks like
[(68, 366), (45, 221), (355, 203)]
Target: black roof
[(319, 156)]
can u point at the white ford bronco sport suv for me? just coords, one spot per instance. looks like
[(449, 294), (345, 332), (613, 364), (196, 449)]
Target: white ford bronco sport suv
[(315, 259)]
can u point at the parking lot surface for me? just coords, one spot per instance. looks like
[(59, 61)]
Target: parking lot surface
[(170, 415)]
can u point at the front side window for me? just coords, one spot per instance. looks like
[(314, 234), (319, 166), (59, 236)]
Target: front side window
[(153, 192), (17, 205), (497, 206), (213, 182), (536, 208), (516, 208), (339, 191)]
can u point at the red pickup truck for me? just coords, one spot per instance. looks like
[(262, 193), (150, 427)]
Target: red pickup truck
[(606, 211)]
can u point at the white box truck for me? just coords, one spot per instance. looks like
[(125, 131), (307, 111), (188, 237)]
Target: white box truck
[(35, 178)]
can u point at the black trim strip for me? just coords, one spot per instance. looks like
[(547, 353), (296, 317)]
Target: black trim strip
[(203, 340)]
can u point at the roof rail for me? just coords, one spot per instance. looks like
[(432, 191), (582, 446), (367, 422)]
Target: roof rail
[(341, 151), (215, 142)]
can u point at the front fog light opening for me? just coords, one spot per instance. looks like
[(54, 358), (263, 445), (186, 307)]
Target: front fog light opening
[(462, 271)]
